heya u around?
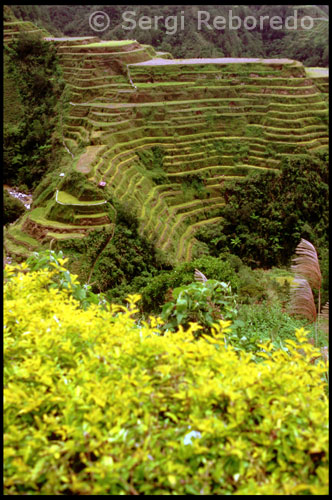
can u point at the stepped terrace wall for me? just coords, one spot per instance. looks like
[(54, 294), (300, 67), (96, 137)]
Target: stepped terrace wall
[(171, 114), (209, 120)]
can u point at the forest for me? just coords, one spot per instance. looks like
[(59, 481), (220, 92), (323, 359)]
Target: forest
[(166, 292)]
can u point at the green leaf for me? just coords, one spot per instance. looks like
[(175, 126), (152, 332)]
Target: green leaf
[(80, 294)]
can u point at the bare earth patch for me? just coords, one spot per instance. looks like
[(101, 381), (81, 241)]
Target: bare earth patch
[(86, 159)]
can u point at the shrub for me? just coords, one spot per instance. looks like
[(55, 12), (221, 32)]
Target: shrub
[(61, 278), (153, 293), (203, 303), (95, 403)]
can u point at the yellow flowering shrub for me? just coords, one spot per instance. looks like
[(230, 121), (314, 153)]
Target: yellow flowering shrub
[(98, 403)]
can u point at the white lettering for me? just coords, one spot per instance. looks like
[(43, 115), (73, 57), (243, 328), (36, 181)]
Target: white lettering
[(170, 30), (231, 18), (219, 20), (245, 23), (261, 21), (124, 18), (273, 21), (200, 20), (145, 23), (311, 21), (288, 18), (182, 20)]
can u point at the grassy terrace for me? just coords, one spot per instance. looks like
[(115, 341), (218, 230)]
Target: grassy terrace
[(64, 236), (114, 45), (121, 159), (67, 55), (68, 199), (14, 248), (45, 229), (230, 108), (216, 168), (187, 239), (315, 72), (85, 85), (156, 203), (115, 106), (168, 234), (160, 210), (38, 215), (19, 237)]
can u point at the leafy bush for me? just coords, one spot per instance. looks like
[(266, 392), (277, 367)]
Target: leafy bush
[(61, 277), (96, 404), (153, 294), (203, 303)]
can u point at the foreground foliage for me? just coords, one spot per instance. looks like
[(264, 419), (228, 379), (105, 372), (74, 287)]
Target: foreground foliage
[(96, 403), (203, 303)]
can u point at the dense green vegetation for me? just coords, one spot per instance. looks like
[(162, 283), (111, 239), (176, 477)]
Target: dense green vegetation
[(122, 260), (30, 142), (308, 46), (267, 213)]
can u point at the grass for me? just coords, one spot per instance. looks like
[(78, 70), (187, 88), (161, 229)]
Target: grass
[(38, 216), (176, 212), (179, 220), (22, 239), (68, 199), (65, 236), (91, 216), (186, 238), (107, 43), (16, 249), (315, 72)]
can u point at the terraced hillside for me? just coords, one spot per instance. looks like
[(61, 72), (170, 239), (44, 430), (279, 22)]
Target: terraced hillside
[(13, 28), (162, 136)]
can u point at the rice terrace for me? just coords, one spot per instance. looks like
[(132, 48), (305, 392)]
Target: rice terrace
[(165, 252)]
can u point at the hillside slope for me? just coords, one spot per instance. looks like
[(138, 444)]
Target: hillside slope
[(161, 136)]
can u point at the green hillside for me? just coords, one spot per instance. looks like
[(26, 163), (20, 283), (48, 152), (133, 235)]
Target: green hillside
[(164, 136)]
